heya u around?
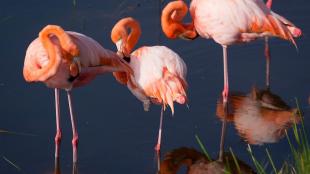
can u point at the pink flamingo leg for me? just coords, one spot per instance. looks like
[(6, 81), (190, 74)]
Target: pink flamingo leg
[(58, 129), (57, 167), (267, 54), (269, 4), (226, 85), (75, 168), (74, 131), (157, 147), (225, 94)]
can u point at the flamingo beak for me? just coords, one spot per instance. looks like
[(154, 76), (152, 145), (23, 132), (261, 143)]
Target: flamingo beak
[(119, 45), (181, 36), (75, 69), (185, 37), (120, 51)]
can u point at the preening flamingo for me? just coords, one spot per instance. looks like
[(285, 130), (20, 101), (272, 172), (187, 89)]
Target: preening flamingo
[(227, 23), (64, 60), (159, 74)]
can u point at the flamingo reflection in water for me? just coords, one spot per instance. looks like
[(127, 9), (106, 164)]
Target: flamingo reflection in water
[(197, 163), (259, 117), (159, 74), (65, 60)]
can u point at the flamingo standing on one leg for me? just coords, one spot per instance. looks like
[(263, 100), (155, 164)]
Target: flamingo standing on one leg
[(158, 72), (296, 32), (226, 22), (64, 60)]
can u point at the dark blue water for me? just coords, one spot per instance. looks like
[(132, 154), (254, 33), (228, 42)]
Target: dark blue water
[(116, 135)]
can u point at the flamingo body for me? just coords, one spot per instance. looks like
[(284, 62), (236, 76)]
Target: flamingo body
[(228, 22), (91, 54), (160, 73), (63, 60)]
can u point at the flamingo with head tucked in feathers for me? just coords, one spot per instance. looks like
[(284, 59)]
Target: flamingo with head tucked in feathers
[(227, 22), (158, 72), (64, 60)]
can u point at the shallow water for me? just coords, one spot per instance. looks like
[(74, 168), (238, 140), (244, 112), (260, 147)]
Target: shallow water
[(116, 135)]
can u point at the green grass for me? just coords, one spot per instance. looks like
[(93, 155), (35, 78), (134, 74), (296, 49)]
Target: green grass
[(300, 152), (205, 152), (300, 162)]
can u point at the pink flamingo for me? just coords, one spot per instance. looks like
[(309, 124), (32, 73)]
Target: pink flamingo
[(158, 72), (227, 23), (64, 60)]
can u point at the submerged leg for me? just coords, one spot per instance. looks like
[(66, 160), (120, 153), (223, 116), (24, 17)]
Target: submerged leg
[(225, 94), (57, 167), (267, 54), (74, 130), (75, 168), (58, 129), (157, 147)]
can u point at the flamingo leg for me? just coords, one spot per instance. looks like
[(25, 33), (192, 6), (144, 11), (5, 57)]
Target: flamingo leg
[(58, 129), (269, 3), (267, 54), (74, 130), (75, 168), (157, 147), (57, 167), (226, 85), (225, 94)]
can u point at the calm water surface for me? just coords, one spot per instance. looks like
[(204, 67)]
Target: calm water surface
[(116, 135)]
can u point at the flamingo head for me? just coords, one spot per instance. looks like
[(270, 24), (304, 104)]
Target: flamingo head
[(171, 22), (125, 35), (57, 70)]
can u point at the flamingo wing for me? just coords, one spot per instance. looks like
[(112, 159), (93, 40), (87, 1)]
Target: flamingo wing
[(228, 22)]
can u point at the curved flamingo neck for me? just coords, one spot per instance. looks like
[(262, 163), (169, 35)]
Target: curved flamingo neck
[(51, 52), (65, 41), (54, 52), (171, 21), (128, 41)]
